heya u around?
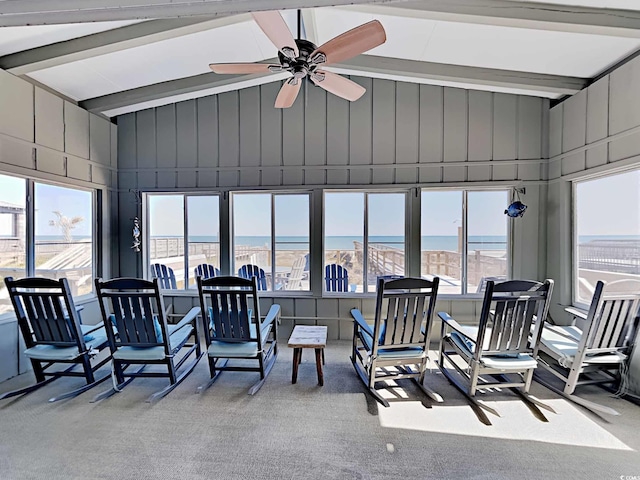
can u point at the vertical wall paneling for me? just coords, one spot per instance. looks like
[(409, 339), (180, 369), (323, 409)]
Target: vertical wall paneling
[(598, 110), (360, 126), (555, 130), (229, 125), (480, 130), (100, 140), (624, 104), (407, 122), (384, 110), (315, 126), (76, 130), (16, 96), (480, 141), (250, 127), (270, 125), (574, 125), (207, 128), (505, 126), (146, 153), (186, 142), (529, 128), (49, 119), (187, 134), (166, 136), (127, 141), (455, 125), (293, 131), (337, 135), (431, 123)]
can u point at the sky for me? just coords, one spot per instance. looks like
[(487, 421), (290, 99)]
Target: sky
[(609, 205), (48, 198)]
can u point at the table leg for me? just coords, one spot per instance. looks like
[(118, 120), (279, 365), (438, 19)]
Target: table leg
[(319, 355), (297, 355)]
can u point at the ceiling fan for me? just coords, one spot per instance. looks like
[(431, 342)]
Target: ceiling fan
[(304, 60)]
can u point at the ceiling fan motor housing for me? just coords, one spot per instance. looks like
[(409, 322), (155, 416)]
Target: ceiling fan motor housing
[(301, 66)]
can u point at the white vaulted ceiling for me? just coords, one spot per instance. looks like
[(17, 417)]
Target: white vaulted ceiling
[(117, 66)]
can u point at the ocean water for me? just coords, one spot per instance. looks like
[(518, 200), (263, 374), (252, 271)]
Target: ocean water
[(429, 242)]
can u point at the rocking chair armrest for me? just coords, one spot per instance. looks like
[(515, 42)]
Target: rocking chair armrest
[(272, 315), (576, 313), (360, 321), (188, 318), (451, 323)]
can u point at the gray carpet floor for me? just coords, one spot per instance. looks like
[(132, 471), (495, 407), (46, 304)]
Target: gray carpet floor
[(305, 431)]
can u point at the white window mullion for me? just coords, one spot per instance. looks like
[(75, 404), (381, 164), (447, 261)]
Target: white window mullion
[(465, 243), (185, 240), (30, 229)]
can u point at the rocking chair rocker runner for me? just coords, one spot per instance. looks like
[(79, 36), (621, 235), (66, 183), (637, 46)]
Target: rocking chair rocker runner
[(500, 345), (53, 334), (233, 328), (136, 324), (598, 352), (396, 346)]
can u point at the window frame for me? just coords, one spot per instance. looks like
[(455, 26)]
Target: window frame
[(146, 260), (464, 293), (407, 221), (272, 206), (30, 228), (575, 299)]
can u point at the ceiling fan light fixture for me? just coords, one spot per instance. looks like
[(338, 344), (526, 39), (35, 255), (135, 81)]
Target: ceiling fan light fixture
[(318, 58), (289, 52), (318, 76)]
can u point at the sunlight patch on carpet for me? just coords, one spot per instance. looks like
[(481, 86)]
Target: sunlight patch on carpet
[(568, 427)]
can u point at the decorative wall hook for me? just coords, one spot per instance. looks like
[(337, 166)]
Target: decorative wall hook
[(137, 195)]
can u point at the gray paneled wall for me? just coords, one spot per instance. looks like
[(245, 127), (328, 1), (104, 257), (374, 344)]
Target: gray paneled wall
[(597, 131), (47, 138), (397, 133)]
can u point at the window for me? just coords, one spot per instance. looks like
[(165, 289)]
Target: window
[(13, 239), (358, 222), (442, 238), (63, 222), (487, 235), (464, 238), (607, 232), (271, 231), (184, 232), (62, 241)]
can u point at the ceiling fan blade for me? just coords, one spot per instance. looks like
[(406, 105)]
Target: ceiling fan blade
[(352, 43), (274, 27), (288, 93), (226, 68), (338, 85)]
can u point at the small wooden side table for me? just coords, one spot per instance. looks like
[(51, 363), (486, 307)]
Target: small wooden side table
[(308, 336)]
